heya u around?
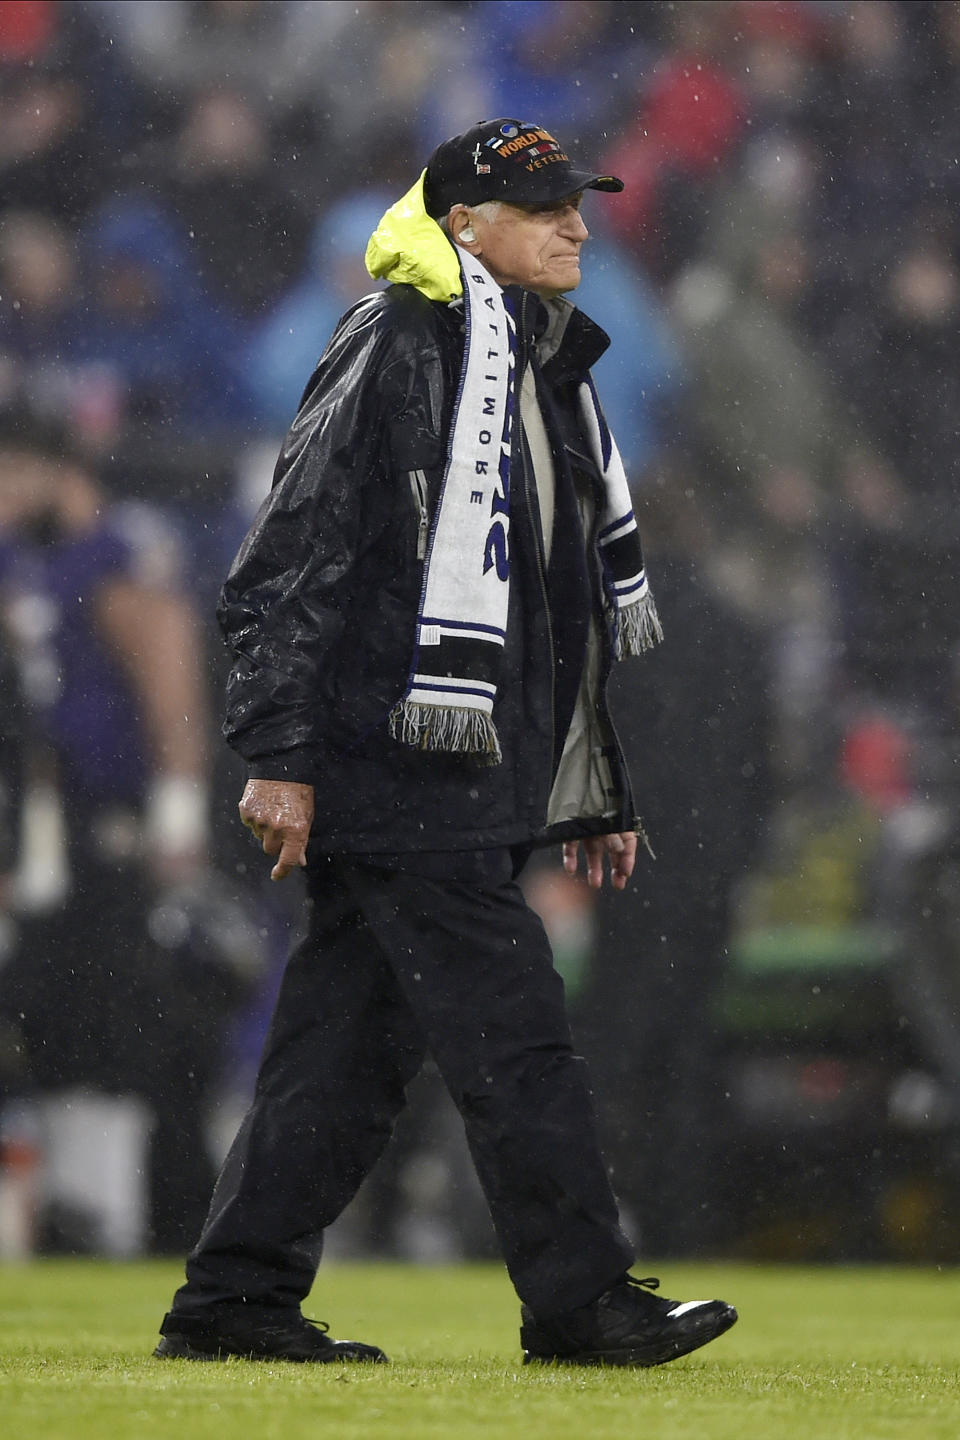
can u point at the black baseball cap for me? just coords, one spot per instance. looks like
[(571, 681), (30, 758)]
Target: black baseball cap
[(505, 160)]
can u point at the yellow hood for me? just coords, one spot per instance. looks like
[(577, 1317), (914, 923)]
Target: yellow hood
[(409, 248)]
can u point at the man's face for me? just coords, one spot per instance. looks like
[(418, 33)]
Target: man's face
[(537, 247)]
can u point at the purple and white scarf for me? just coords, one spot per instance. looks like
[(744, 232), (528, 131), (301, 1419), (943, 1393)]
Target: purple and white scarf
[(462, 624)]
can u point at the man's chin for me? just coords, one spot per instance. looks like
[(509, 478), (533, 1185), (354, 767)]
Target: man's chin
[(565, 280)]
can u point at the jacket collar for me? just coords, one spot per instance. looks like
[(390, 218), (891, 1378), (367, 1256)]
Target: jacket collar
[(568, 343), (565, 341)]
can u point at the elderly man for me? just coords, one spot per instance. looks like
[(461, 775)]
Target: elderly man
[(423, 617)]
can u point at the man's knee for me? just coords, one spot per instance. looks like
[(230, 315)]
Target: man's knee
[(512, 1081)]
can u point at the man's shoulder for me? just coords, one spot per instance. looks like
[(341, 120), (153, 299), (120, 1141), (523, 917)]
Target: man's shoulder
[(400, 312), (383, 344)]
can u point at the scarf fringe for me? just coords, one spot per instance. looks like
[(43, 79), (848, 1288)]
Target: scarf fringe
[(446, 727), (638, 627)]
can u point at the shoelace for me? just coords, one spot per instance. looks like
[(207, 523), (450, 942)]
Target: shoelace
[(649, 1282), (320, 1325)]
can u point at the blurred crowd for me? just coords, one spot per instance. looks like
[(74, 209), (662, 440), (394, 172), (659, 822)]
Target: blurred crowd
[(186, 192)]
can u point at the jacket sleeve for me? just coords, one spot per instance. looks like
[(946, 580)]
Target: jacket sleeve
[(286, 601)]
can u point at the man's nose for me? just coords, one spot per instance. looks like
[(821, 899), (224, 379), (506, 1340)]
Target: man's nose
[(572, 226)]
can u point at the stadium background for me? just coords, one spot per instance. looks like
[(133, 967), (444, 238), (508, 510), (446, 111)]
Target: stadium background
[(186, 190)]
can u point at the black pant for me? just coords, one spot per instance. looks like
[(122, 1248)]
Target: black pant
[(396, 962)]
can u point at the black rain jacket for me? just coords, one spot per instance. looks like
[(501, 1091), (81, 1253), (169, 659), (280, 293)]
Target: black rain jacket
[(320, 605)]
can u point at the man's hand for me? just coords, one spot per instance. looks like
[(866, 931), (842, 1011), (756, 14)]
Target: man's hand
[(621, 851), (279, 812)]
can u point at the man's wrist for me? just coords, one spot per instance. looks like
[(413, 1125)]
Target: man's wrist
[(299, 766)]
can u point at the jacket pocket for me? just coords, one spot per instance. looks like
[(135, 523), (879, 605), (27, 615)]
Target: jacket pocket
[(414, 452), (418, 489)]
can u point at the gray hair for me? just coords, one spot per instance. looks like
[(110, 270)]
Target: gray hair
[(487, 210)]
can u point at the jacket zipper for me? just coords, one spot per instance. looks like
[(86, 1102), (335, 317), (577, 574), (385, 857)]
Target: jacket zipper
[(643, 837), (418, 487)]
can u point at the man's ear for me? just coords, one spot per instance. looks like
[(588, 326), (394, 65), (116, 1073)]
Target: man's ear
[(461, 229)]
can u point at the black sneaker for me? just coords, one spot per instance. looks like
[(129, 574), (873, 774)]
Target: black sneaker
[(626, 1326), (194, 1337)]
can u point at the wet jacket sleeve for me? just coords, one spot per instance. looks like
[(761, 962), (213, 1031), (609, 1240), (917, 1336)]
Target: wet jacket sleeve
[(287, 601)]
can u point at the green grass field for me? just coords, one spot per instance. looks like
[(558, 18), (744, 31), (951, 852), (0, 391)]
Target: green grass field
[(849, 1354)]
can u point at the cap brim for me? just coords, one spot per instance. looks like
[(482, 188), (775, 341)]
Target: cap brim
[(611, 183), (566, 181)]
